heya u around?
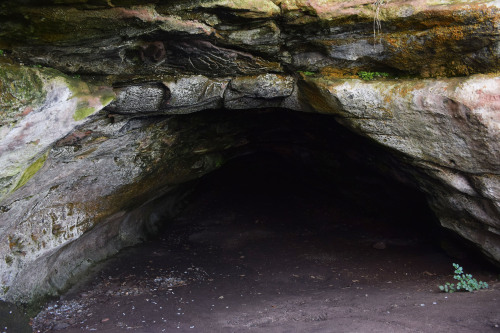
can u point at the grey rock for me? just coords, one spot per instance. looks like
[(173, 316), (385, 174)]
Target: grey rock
[(64, 107), (267, 90), (143, 98), (194, 93)]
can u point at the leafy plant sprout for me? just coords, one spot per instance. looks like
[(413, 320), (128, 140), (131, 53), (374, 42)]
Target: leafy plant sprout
[(307, 73), (465, 282), (368, 76)]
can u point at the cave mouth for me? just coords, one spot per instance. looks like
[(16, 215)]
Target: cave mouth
[(301, 177), (267, 191), (304, 173), (299, 226)]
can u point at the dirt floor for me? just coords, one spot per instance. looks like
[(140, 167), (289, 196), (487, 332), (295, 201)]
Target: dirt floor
[(283, 258)]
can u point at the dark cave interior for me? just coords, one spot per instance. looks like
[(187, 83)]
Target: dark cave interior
[(311, 173)]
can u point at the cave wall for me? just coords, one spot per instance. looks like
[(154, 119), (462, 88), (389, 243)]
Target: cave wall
[(96, 100)]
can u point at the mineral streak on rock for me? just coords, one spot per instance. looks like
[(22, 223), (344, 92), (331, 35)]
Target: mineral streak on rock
[(99, 102)]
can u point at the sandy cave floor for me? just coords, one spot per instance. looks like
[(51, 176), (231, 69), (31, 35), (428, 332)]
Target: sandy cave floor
[(250, 260)]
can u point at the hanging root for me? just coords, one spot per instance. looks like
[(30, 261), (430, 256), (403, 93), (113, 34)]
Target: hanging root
[(377, 26)]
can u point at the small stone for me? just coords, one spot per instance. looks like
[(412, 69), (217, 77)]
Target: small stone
[(379, 246), (104, 320), (60, 326)]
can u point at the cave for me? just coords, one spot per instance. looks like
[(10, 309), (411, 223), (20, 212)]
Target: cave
[(329, 159), (277, 205), (292, 163), (300, 206)]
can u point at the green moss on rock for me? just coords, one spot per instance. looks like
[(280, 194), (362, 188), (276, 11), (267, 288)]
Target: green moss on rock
[(107, 97), (19, 87), (82, 113), (31, 170)]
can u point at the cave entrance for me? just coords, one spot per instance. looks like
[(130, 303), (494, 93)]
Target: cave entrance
[(264, 213), (303, 175), (303, 228), (265, 195)]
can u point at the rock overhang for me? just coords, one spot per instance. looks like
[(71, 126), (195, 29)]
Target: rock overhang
[(212, 38)]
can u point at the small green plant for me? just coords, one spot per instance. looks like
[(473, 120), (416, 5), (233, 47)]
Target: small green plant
[(368, 76), (306, 73), (1, 52), (465, 282)]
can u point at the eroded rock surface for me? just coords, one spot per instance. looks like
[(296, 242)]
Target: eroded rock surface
[(98, 119)]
